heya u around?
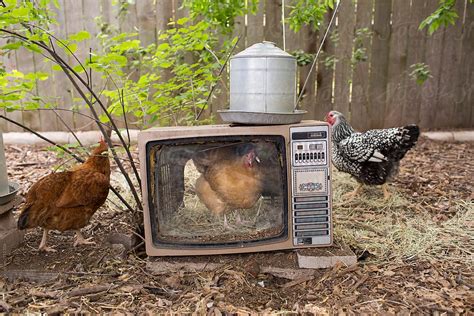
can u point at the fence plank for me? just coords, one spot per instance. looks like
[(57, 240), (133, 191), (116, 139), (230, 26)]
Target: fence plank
[(273, 31), (415, 54), (128, 20), (163, 14), (343, 72), (360, 81), (379, 63), (466, 107), (25, 64), (74, 23), (109, 13), (307, 41), (146, 21), (462, 109), (397, 64), (255, 30), (90, 8), (62, 86), (325, 74), (449, 76), (3, 60), (48, 120), (293, 43), (429, 90), (10, 63)]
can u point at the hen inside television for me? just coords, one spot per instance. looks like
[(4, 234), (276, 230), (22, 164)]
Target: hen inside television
[(217, 191)]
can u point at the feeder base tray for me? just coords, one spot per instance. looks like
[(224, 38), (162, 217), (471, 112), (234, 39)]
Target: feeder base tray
[(261, 118)]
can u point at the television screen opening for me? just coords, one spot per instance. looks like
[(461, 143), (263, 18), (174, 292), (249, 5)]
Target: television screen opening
[(215, 191)]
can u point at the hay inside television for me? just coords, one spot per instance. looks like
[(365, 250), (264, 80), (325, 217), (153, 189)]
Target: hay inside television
[(271, 185)]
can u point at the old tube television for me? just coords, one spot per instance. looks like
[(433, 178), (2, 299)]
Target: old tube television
[(222, 189)]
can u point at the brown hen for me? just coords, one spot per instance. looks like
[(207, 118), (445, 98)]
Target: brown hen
[(229, 180), (67, 200)]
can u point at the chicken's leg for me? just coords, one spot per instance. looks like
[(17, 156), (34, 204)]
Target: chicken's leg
[(226, 224), (80, 240), (351, 195), (386, 193), (42, 246)]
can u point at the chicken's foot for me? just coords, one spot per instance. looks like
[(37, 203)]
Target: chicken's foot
[(386, 193), (226, 223), (42, 246), (351, 195), (240, 221), (80, 240)]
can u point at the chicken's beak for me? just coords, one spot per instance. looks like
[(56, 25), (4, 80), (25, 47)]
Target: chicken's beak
[(257, 159)]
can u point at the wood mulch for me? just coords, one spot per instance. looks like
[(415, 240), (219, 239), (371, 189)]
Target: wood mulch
[(101, 278)]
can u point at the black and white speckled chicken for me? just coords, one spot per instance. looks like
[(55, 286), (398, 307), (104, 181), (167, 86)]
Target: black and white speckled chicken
[(373, 157)]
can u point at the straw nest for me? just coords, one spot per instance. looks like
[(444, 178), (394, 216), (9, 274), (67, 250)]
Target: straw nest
[(193, 220)]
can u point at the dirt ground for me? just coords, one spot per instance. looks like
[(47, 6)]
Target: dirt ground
[(415, 254)]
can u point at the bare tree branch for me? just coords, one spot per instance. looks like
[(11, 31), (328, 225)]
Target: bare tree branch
[(66, 150), (70, 72)]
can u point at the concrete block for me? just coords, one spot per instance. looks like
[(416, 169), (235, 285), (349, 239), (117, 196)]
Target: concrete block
[(9, 240), (7, 222), (127, 240), (322, 258), (298, 264)]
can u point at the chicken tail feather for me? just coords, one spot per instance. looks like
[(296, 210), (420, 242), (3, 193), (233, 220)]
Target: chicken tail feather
[(23, 219), (410, 135)]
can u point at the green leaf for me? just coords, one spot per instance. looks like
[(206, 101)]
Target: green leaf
[(12, 46), (78, 69), (134, 44), (182, 21), (163, 46), (199, 46), (33, 47), (72, 48), (80, 36), (20, 12)]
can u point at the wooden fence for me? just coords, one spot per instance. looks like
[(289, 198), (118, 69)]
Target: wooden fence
[(375, 91)]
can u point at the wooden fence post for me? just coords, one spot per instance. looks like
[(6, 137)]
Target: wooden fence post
[(379, 63), (360, 77)]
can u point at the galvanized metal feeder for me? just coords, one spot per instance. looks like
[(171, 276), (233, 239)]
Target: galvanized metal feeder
[(262, 87)]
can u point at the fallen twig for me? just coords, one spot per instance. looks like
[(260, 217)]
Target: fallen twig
[(89, 290), (298, 281)]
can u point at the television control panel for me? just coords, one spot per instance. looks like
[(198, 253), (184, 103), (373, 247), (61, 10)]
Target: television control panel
[(311, 189)]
